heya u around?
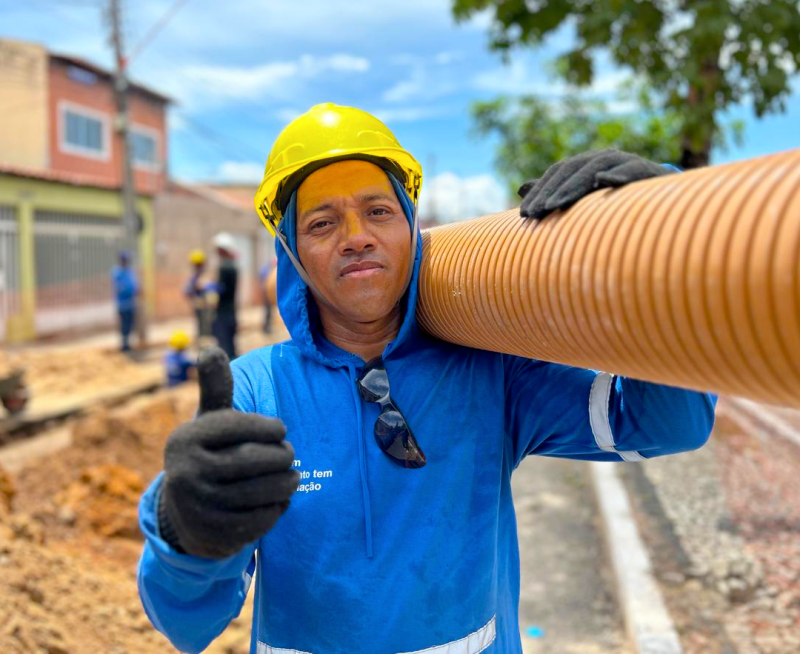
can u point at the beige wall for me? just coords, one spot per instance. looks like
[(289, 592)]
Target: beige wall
[(186, 221), (23, 105)]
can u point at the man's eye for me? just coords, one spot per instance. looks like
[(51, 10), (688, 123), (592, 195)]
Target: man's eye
[(320, 224), (379, 211)]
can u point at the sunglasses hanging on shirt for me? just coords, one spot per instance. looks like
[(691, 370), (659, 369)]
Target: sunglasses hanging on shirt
[(392, 432)]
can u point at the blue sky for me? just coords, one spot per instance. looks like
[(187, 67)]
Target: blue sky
[(240, 69)]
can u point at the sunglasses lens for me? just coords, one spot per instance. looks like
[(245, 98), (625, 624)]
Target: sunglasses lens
[(373, 385), (396, 440)]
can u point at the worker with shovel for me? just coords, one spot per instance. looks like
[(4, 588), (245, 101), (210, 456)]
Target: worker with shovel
[(401, 534)]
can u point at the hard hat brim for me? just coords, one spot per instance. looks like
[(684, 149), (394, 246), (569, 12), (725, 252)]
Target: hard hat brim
[(275, 191)]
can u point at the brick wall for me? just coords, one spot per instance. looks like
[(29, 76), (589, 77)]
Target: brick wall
[(98, 97), (186, 221)]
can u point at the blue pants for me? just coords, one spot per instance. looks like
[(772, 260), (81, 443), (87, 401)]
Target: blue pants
[(126, 319)]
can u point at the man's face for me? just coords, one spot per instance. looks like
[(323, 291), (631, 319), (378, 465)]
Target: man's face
[(353, 238)]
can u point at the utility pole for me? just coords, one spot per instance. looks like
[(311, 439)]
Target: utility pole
[(130, 219)]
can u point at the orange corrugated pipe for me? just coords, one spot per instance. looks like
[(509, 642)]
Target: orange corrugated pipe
[(691, 280)]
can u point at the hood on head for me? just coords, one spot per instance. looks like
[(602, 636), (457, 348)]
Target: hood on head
[(299, 309)]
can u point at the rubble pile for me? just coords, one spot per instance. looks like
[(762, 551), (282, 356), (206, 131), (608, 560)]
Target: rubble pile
[(761, 478), (733, 506)]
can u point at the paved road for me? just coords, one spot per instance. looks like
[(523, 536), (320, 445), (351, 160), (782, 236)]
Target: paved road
[(567, 590)]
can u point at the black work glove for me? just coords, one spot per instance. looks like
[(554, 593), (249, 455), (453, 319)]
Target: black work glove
[(567, 181), (228, 474)]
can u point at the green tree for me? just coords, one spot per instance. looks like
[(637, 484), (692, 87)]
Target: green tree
[(699, 56), (535, 133)]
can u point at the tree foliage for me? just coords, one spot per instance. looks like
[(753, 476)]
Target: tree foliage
[(698, 56), (534, 133)]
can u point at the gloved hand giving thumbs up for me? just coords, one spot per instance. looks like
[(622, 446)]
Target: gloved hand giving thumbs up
[(228, 475)]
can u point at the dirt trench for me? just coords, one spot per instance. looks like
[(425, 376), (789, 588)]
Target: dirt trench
[(69, 537)]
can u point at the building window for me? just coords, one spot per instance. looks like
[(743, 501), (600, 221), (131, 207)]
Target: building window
[(82, 75), (144, 148), (84, 132)]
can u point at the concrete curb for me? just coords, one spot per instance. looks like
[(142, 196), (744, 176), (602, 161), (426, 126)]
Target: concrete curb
[(647, 621)]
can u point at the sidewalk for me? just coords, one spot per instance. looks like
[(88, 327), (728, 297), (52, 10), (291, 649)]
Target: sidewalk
[(568, 597), (67, 377), (158, 334)]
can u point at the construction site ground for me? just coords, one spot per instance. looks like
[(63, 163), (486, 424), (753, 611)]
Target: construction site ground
[(722, 524)]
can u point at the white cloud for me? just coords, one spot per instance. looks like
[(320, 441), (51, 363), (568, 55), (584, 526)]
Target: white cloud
[(423, 85), (443, 58), (175, 121), (407, 114), (517, 79), (513, 78), (450, 198), (287, 115), (283, 22), (214, 85), (409, 89), (252, 82), (448, 57), (245, 172)]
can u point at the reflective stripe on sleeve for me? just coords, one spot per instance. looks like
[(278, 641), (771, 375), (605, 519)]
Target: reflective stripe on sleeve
[(598, 417)]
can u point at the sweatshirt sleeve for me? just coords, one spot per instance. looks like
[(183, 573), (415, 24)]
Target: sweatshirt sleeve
[(567, 412), (190, 599), (187, 598)]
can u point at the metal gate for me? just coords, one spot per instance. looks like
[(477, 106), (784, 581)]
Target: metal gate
[(9, 267), (74, 256)]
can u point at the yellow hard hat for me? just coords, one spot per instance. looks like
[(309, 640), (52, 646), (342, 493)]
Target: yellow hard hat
[(197, 257), (324, 134), (179, 340)]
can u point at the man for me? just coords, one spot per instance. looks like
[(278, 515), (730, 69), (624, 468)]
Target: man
[(225, 320), (178, 366), (126, 288), (401, 536), (197, 291)]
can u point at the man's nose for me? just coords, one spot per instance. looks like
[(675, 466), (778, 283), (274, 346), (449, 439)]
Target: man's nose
[(356, 235)]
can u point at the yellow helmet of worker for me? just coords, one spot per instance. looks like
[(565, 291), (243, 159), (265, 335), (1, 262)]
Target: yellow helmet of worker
[(179, 341), (197, 257), (324, 134)]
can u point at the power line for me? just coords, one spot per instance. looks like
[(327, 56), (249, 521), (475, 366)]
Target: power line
[(155, 29), (228, 144)]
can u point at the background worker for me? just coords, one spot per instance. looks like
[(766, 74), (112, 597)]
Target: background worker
[(177, 365), (198, 291), (126, 288), (266, 297), (225, 325), (401, 536)]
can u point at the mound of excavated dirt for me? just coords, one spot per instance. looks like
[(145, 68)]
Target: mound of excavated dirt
[(52, 602), (57, 374), (69, 538), (103, 500), (111, 449), (7, 490)]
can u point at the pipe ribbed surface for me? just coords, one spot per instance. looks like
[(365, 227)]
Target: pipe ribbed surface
[(691, 280)]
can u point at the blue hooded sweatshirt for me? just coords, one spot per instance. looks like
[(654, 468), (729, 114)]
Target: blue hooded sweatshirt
[(374, 558)]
